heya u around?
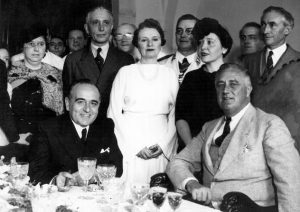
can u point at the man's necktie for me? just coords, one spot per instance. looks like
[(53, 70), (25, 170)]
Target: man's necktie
[(182, 69), (83, 135), (226, 131), (269, 67), (99, 60)]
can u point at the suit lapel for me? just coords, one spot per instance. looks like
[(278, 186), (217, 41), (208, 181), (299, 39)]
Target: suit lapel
[(69, 139), (262, 59), (88, 64), (287, 57), (239, 139), (206, 155)]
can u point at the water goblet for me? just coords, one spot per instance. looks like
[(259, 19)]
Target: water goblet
[(86, 169), (139, 191), (158, 196), (174, 200), (106, 172), (19, 170)]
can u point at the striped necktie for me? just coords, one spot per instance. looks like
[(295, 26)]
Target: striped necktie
[(269, 67), (182, 69)]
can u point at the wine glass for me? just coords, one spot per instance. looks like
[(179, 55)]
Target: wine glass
[(158, 196), (106, 172), (86, 169), (19, 170), (174, 200), (139, 191)]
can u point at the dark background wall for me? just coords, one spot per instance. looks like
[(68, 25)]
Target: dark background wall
[(58, 15)]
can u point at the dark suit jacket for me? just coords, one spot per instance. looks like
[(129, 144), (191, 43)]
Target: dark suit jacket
[(280, 95), (57, 147), (81, 65), (256, 64), (6, 116)]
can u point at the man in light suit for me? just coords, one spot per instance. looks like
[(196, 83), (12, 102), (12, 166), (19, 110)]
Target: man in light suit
[(61, 140), (82, 64), (253, 153), (276, 89), (186, 48)]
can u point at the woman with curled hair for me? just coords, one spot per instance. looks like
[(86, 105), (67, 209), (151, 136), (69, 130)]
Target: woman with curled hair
[(37, 87), (196, 101), (142, 105)]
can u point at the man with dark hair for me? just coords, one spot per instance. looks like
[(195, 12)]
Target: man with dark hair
[(76, 40), (98, 61), (57, 45), (63, 139), (246, 150), (185, 59), (250, 38), (275, 70)]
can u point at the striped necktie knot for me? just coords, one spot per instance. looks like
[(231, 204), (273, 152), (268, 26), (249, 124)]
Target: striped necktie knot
[(182, 69)]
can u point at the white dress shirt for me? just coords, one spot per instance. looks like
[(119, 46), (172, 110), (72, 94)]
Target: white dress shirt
[(104, 50), (80, 128), (277, 53)]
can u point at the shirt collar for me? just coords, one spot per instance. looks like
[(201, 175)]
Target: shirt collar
[(236, 118), (277, 53), (191, 58), (80, 128), (103, 52)]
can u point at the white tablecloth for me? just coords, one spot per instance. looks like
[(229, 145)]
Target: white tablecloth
[(80, 201)]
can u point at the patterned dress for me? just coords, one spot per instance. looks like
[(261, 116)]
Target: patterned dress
[(38, 97)]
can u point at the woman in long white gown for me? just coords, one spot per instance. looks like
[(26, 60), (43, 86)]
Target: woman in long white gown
[(142, 105)]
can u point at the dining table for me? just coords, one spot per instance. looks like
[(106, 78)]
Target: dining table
[(78, 200)]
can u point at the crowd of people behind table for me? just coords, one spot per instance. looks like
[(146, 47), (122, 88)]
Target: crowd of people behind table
[(56, 106)]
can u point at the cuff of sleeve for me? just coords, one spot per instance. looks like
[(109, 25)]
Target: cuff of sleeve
[(185, 181)]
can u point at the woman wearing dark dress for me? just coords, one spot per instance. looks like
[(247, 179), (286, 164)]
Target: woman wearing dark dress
[(196, 100), (37, 87)]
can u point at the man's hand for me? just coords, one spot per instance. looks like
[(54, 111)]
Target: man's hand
[(61, 179), (199, 192)]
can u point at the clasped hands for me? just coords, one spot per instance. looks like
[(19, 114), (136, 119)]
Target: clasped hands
[(198, 191), (150, 152)]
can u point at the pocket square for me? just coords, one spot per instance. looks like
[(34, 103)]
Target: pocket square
[(105, 150)]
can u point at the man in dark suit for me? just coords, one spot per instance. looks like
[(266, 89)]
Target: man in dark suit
[(246, 150), (65, 138), (99, 61), (11, 143), (275, 70)]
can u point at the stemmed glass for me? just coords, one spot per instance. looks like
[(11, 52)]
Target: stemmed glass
[(174, 200), (158, 196), (139, 191), (19, 170), (106, 172), (86, 169)]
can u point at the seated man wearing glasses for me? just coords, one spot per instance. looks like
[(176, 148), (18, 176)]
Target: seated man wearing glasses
[(185, 59), (123, 40)]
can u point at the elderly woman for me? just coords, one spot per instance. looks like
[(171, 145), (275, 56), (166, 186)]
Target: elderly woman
[(37, 87), (196, 101), (142, 105)]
